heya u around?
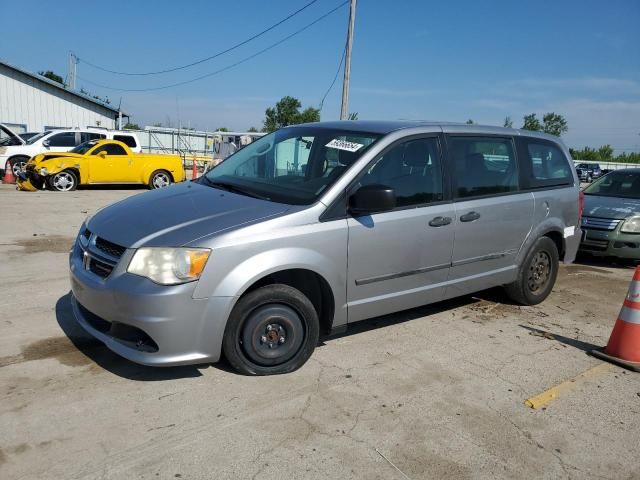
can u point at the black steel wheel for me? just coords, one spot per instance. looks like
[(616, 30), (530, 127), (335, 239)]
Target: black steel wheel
[(537, 274), (272, 330)]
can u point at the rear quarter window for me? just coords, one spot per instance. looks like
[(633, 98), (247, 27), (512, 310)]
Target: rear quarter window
[(544, 164), (128, 140)]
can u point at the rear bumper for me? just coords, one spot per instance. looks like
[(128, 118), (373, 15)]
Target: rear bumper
[(148, 323), (611, 243), (571, 245)]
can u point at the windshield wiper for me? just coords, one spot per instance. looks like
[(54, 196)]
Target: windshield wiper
[(229, 187)]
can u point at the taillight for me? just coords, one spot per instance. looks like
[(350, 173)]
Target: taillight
[(580, 206)]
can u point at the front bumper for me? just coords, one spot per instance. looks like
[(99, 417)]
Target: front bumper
[(144, 322), (611, 243)]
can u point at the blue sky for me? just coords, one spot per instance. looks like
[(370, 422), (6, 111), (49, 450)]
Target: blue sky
[(412, 59)]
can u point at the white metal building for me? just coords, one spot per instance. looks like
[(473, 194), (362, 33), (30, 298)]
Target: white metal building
[(30, 102)]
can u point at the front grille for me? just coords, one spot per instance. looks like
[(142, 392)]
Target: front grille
[(98, 256), (595, 223), (109, 248), (101, 269), (590, 244)]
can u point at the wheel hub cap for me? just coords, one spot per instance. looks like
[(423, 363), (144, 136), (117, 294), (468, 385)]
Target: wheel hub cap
[(161, 181), (63, 181)]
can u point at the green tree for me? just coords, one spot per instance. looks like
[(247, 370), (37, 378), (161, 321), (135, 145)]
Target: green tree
[(586, 153), (309, 115), (131, 126), (470, 122), (287, 112), (531, 122), (554, 124), (222, 129), (507, 122), (252, 129), (605, 153), (53, 76)]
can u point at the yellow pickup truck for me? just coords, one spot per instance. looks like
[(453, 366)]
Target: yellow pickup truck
[(100, 162)]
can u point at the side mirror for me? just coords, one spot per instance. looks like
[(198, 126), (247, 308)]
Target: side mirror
[(45, 143), (102, 154), (372, 199)]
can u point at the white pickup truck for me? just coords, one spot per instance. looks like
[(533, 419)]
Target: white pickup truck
[(15, 152)]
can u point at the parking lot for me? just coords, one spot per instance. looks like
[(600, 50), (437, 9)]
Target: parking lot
[(428, 393)]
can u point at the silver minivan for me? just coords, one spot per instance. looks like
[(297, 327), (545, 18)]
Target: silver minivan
[(317, 226)]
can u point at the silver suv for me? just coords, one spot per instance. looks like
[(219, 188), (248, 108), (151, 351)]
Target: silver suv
[(317, 226)]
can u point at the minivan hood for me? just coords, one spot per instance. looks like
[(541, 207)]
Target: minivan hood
[(7, 131), (610, 207), (177, 215)]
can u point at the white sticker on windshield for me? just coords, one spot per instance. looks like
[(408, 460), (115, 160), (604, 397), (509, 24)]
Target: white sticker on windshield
[(344, 145)]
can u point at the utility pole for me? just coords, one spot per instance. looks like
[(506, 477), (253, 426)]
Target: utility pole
[(344, 109), (73, 61)]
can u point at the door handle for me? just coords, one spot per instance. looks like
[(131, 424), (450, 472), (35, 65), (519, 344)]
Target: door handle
[(440, 221), (469, 217)]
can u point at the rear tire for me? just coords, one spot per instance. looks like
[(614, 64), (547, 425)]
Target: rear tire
[(537, 274), (271, 330), (160, 179)]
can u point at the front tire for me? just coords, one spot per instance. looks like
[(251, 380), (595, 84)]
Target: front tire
[(18, 165), (160, 179), (537, 274), (271, 330), (64, 181)]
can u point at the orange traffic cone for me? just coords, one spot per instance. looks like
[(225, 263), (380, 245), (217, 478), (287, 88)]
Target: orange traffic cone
[(8, 174), (194, 169), (624, 343)]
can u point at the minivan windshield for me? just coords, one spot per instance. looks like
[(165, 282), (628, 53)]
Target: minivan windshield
[(293, 165), (616, 184), (35, 138)]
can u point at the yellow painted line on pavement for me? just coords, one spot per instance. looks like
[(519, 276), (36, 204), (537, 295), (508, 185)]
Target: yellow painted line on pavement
[(554, 392)]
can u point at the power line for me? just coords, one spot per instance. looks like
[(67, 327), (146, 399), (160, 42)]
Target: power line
[(224, 69), (198, 62), (344, 51)]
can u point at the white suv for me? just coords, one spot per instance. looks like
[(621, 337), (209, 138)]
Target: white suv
[(63, 140)]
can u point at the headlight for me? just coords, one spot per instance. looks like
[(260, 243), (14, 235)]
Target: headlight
[(631, 225), (169, 266), (44, 171)]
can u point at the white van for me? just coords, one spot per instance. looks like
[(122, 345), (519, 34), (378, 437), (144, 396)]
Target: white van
[(17, 155)]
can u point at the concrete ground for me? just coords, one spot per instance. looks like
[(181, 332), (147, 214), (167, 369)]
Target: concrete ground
[(428, 393)]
